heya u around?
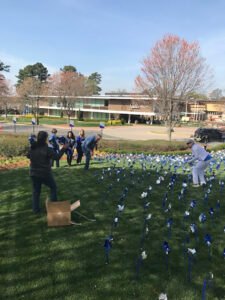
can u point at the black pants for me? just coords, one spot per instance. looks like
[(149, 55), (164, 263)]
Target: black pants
[(80, 154), (37, 183), (57, 163), (69, 159)]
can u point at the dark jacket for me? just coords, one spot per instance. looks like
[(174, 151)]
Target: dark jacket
[(40, 159)]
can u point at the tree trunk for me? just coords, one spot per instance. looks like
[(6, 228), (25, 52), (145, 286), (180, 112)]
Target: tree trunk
[(169, 124)]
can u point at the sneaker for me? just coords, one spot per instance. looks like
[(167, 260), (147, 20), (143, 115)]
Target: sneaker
[(203, 184), (195, 185)]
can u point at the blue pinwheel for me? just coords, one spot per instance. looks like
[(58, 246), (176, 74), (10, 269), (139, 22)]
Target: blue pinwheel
[(108, 245), (193, 228), (211, 212), (166, 249), (208, 242), (32, 138), (202, 219), (169, 224)]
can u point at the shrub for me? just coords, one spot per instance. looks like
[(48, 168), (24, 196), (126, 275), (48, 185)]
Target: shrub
[(123, 121), (13, 145)]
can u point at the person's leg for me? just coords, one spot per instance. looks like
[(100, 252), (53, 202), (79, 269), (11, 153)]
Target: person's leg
[(69, 160), (195, 174), (79, 151), (50, 182), (36, 194), (88, 157), (57, 163), (201, 171)]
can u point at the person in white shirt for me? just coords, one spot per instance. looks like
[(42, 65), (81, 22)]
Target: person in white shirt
[(203, 158)]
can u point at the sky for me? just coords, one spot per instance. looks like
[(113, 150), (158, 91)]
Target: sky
[(108, 37)]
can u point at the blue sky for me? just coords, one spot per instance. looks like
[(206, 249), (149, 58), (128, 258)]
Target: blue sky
[(109, 37)]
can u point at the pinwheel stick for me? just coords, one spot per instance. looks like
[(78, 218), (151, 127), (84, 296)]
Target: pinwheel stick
[(189, 268), (167, 261), (204, 287), (138, 267), (106, 256)]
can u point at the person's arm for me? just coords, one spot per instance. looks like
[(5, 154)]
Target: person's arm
[(56, 156)]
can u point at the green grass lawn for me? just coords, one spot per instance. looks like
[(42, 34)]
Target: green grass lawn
[(39, 262)]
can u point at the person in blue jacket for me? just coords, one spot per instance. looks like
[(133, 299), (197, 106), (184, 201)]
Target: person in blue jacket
[(88, 147), (70, 139), (80, 140), (53, 141)]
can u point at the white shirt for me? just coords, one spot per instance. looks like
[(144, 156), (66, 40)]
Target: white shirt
[(198, 153)]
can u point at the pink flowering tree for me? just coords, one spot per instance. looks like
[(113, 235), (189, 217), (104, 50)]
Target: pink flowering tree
[(172, 71)]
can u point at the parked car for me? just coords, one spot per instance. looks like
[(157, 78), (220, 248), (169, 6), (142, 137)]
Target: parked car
[(206, 135)]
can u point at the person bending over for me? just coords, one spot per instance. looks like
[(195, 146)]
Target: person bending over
[(203, 158), (88, 147), (40, 156)]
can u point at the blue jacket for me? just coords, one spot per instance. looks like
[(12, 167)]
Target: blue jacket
[(80, 141), (89, 144), (53, 141)]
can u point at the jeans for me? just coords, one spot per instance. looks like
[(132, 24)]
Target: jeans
[(57, 162), (88, 158), (37, 182)]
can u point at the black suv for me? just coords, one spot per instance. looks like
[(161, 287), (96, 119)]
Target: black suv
[(208, 135)]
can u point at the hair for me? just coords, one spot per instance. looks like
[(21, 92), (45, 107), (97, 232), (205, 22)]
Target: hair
[(83, 135), (54, 130), (72, 135), (99, 135), (41, 139)]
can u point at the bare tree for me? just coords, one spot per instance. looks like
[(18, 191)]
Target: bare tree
[(68, 86), (6, 95), (172, 71), (29, 91)]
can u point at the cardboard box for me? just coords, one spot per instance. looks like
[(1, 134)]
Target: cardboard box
[(59, 213)]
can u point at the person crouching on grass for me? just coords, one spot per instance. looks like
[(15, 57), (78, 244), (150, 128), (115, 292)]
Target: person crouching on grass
[(203, 158), (40, 156), (88, 147)]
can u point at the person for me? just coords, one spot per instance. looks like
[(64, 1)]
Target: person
[(54, 145), (80, 140), (88, 146), (203, 158), (40, 156), (70, 139)]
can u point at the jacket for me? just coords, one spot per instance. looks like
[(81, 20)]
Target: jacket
[(40, 159)]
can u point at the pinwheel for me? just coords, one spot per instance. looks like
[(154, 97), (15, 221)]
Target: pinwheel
[(120, 208), (221, 183), (108, 245), (169, 224), (193, 228), (211, 212), (192, 205), (162, 296), (142, 257), (186, 214), (191, 253), (166, 249), (202, 219), (208, 241), (32, 138)]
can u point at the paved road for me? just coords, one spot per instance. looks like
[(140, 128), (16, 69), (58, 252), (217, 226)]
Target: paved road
[(61, 130), (139, 132)]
